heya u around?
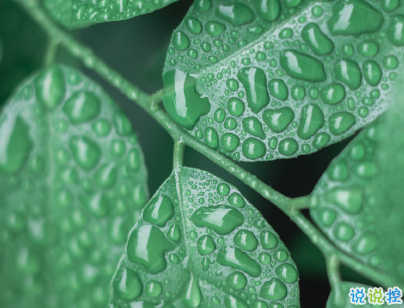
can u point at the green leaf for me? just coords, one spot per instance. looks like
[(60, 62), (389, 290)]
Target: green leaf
[(72, 183), (268, 79), (358, 201), (199, 243), (79, 13), (345, 288)]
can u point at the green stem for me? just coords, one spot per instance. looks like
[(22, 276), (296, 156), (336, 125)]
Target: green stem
[(151, 105), (51, 52), (178, 156), (335, 279)]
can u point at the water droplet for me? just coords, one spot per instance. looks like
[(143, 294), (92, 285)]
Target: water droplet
[(390, 5), (219, 115), (236, 200), (253, 148), (222, 218), (268, 240), (206, 245), (50, 87), (211, 138), (372, 72), (311, 120), (344, 232), (203, 5), (278, 119), (102, 127), (234, 302), (321, 140), (235, 107), (288, 146), (133, 159), (268, 10), (146, 246), (292, 3), (274, 290), (232, 84), (253, 127), (278, 89), (354, 17), (122, 124), (340, 122), (255, 84), (127, 284), (395, 32), (15, 143), (237, 14), (349, 73), (181, 100), (85, 152), (368, 49), (193, 25), (98, 205), (192, 296), (180, 40), (302, 66), (82, 107), (298, 93), (327, 217), (317, 40), (350, 200), (239, 260), (245, 240), (366, 244), (214, 28), (333, 94), (174, 233), (287, 273), (236, 280), (159, 211), (153, 288)]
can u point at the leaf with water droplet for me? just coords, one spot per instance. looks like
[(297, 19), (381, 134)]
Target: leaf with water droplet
[(218, 253), (304, 73), (81, 13), (358, 201), (72, 182)]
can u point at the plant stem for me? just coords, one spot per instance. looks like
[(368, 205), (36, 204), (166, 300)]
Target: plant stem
[(335, 279), (151, 105), (51, 52)]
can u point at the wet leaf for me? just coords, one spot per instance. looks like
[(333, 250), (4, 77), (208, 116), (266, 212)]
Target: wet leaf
[(72, 182), (269, 79), (358, 201), (200, 243), (79, 13)]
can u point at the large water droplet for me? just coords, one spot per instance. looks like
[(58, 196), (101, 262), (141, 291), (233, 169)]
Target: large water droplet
[(333, 94), (127, 284), (395, 32), (268, 9), (237, 14), (317, 40), (206, 245), (302, 66), (372, 72), (278, 119), (85, 152), (254, 127), (340, 122), (287, 273), (350, 200), (214, 28), (354, 17), (255, 84), (253, 148), (245, 240), (222, 218), (15, 143), (192, 295), (344, 232), (146, 246), (239, 260), (50, 87), (274, 290), (181, 100), (236, 280), (106, 176), (278, 89), (159, 211), (180, 40), (311, 120), (234, 302), (349, 73), (82, 107)]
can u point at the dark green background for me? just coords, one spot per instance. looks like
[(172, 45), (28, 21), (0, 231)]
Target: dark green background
[(136, 48)]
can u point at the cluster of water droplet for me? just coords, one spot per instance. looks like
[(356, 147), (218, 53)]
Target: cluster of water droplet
[(203, 245), (261, 80), (344, 205), (72, 181)]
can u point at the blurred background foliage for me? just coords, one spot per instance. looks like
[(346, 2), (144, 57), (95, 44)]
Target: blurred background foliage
[(136, 48)]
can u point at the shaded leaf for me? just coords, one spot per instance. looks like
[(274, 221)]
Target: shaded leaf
[(268, 79), (72, 182), (345, 288), (199, 243), (358, 201), (79, 13)]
